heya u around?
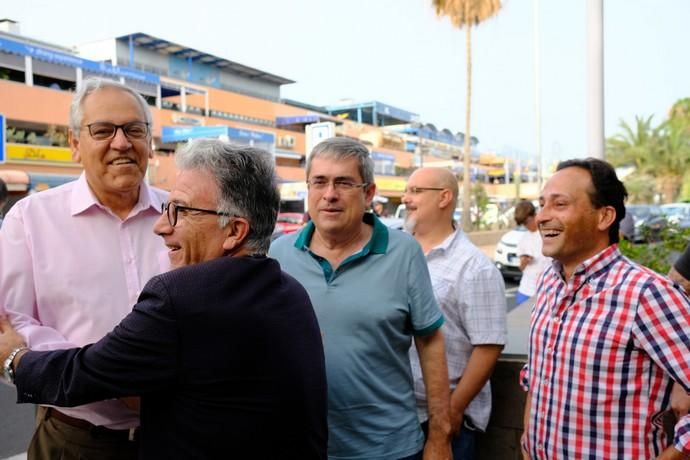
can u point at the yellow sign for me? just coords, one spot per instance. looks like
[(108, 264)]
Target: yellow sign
[(293, 191), (391, 184), (25, 152)]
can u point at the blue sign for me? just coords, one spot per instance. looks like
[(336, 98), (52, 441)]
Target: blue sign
[(259, 136), (378, 156), (297, 119), (47, 55), (2, 138), (182, 134)]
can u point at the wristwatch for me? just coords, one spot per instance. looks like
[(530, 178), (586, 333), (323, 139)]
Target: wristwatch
[(7, 369)]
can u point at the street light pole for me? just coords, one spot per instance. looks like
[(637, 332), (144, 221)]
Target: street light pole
[(595, 78), (537, 94)]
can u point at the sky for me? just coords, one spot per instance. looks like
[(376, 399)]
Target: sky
[(398, 52)]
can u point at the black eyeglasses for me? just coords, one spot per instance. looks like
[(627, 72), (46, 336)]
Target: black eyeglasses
[(103, 130), (341, 185), (171, 210), (416, 190)]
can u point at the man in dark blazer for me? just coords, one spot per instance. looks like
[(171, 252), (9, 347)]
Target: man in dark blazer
[(225, 350)]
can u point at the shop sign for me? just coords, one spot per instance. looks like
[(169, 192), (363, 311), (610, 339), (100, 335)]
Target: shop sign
[(39, 153)]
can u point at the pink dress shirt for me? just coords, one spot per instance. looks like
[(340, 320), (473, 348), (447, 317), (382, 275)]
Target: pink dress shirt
[(70, 270)]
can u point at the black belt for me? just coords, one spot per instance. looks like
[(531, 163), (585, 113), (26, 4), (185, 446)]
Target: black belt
[(97, 431)]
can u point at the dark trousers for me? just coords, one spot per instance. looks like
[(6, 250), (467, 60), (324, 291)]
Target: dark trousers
[(55, 439)]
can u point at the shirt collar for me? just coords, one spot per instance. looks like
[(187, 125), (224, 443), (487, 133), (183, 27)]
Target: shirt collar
[(449, 242), (378, 244), (83, 198), (594, 265)]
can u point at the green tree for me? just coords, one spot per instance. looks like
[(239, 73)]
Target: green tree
[(658, 255), (660, 152), (466, 13), (638, 188), (680, 111), (481, 202)]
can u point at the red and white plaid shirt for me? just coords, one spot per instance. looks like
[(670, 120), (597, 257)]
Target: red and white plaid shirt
[(604, 348)]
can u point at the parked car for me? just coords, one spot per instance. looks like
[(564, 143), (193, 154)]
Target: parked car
[(648, 221), (393, 222), (676, 212), (651, 221), (506, 258), (288, 222)]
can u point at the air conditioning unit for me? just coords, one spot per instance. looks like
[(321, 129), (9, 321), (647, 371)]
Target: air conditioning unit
[(286, 141)]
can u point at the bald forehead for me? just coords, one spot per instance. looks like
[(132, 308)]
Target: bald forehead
[(436, 176)]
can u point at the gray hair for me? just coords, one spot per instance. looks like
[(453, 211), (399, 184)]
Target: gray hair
[(93, 84), (343, 148), (246, 182)]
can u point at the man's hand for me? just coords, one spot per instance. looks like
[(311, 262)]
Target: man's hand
[(671, 453), (525, 426), (9, 339), (456, 423), (680, 401), (525, 260), (432, 358), (437, 448), (132, 402), (525, 454), (680, 279)]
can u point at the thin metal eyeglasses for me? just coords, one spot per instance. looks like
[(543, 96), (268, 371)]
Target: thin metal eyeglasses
[(338, 184), (171, 210), (416, 190), (103, 130)]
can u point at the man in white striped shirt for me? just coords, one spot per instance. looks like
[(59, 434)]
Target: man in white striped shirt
[(471, 293)]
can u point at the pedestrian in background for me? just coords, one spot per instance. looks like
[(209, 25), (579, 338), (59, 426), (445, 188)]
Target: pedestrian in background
[(532, 261)]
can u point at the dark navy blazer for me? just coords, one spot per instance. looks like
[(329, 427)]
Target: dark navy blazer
[(226, 356)]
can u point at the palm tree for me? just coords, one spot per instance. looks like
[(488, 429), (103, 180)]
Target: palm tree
[(465, 13), (660, 152)]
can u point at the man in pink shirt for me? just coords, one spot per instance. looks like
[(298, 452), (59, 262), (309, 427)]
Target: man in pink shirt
[(74, 259)]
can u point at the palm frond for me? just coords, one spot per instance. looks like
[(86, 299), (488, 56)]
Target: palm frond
[(466, 12)]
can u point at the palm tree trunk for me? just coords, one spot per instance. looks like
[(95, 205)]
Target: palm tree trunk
[(466, 187)]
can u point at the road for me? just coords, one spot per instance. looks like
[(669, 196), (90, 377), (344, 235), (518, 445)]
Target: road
[(17, 421)]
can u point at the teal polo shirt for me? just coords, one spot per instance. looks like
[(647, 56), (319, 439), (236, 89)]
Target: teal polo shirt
[(368, 308)]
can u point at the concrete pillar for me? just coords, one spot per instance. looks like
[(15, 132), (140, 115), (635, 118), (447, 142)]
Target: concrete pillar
[(28, 71), (79, 77)]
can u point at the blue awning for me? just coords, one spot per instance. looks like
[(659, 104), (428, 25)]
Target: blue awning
[(48, 55)]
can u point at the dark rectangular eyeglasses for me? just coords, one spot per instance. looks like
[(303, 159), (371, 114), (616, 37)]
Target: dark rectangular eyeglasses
[(171, 210), (103, 130)]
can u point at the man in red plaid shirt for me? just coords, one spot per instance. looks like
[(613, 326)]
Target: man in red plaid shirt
[(608, 337)]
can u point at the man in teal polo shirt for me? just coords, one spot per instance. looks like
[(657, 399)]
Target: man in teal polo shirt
[(372, 295)]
